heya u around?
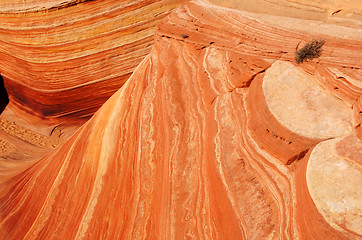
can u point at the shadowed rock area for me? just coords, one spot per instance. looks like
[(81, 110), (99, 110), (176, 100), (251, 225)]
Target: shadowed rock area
[(217, 134), (4, 97)]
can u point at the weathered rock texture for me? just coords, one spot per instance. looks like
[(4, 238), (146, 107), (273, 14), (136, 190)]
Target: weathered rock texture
[(342, 12), (64, 59), (61, 60), (207, 140)]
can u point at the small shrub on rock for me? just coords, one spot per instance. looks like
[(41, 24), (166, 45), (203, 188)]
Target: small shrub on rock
[(311, 50)]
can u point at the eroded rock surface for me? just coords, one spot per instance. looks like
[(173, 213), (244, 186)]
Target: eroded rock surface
[(61, 60), (194, 145), (333, 178), (300, 103), (64, 59)]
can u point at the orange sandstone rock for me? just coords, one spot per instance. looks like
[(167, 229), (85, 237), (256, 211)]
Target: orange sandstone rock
[(333, 178), (64, 59), (61, 60), (341, 12), (182, 149)]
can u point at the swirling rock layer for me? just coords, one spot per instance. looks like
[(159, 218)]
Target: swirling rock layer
[(194, 146), (64, 59)]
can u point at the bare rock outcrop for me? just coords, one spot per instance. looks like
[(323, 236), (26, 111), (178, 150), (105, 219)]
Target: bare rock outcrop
[(61, 60), (64, 59), (217, 134)]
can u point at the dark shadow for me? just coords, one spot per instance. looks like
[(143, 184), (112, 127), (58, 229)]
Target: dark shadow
[(4, 97)]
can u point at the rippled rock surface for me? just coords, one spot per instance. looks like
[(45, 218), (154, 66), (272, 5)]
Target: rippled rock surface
[(217, 134), (64, 59)]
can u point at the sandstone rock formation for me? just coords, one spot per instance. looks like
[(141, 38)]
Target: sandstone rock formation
[(217, 134), (64, 59), (342, 12), (61, 60)]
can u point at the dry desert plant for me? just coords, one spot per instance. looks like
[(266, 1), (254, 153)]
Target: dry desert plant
[(311, 50)]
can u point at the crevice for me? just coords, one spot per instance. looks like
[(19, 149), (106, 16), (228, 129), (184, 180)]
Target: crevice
[(248, 83), (213, 100), (335, 12), (298, 156), (4, 97)]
